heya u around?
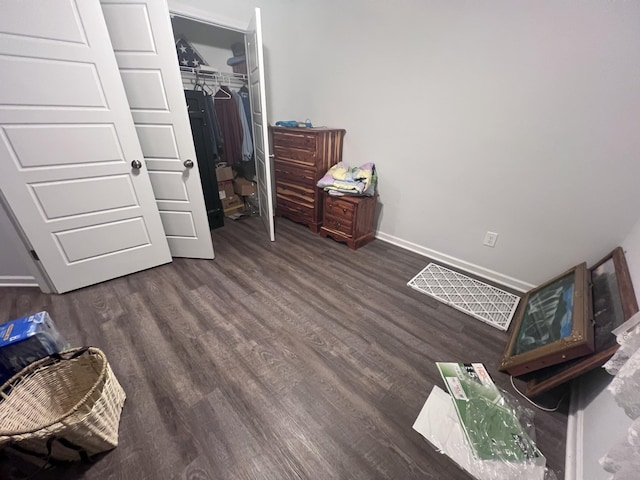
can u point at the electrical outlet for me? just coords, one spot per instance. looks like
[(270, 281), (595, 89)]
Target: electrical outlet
[(490, 239)]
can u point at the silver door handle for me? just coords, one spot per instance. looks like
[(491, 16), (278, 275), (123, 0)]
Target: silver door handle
[(188, 163), (136, 164)]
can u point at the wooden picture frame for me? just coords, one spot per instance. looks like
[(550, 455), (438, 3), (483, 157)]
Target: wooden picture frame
[(553, 324), (614, 302)]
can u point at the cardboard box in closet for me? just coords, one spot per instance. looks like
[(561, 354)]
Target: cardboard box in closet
[(244, 187), (225, 189), (232, 204), (224, 173)]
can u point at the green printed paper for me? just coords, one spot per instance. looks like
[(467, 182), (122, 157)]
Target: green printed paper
[(490, 424)]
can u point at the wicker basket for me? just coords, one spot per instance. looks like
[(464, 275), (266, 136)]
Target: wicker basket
[(64, 407)]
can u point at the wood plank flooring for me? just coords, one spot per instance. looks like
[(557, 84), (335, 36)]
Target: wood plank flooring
[(298, 359)]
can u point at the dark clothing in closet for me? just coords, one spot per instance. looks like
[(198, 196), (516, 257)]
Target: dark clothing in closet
[(244, 94), (227, 114), (213, 127)]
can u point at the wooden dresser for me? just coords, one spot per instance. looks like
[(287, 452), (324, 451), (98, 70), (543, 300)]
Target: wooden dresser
[(302, 157), (349, 219)]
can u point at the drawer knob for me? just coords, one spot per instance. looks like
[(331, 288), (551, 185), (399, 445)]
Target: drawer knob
[(344, 210), (336, 224)]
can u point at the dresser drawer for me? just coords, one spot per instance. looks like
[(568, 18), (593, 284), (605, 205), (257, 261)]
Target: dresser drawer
[(295, 139), (338, 224), (339, 208), (288, 206), (296, 193), (289, 173), (302, 157)]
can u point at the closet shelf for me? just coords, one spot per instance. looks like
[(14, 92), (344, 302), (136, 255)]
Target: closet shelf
[(221, 77)]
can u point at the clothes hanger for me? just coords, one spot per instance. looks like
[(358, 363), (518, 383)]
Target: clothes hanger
[(207, 88), (197, 83), (226, 97), (220, 89)]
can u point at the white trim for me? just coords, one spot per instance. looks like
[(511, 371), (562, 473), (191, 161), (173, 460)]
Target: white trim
[(457, 263), (17, 281), (575, 435), (571, 455)]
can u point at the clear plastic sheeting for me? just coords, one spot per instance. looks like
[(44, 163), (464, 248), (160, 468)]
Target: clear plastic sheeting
[(488, 434), (625, 367), (252, 203), (628, 337), (625, 386), (623, 458)]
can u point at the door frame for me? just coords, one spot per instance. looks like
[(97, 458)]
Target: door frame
[(178, 9)]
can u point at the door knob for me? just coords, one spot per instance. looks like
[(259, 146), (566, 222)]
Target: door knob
[(188, 163), (136, 164)]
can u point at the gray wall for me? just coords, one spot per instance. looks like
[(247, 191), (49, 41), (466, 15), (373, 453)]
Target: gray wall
[(15, 266)]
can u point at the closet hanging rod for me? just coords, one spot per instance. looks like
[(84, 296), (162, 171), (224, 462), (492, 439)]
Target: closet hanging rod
[(240, 77)]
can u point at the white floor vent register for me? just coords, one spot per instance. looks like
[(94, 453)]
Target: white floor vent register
[(484, 302)]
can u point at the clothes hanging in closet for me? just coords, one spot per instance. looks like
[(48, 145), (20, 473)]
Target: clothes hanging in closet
[(213, 126), (226, 110), (247, 143), (246, 102)]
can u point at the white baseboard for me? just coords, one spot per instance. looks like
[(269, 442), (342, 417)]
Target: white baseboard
[(457, 263), (575, 435), (17, 281)]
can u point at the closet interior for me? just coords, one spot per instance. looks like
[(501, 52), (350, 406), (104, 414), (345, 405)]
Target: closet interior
[(213, 69)]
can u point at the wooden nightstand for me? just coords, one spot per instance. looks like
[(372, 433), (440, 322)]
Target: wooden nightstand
[(349, 219)]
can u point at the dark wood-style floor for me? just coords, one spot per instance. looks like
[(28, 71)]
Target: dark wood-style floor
[(298, 359)]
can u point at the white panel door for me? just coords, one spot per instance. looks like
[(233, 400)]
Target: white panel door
[(142, 39), (68, 146), (255, 67)]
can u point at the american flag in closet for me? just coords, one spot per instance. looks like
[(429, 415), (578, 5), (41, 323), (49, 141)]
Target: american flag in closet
[(187, 55)]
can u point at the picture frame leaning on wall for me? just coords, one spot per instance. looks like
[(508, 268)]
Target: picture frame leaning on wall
[(553, 324), (614, 302)]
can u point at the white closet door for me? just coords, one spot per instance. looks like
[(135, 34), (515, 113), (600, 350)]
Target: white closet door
[(67, 143), (143, 41), (255, 67)]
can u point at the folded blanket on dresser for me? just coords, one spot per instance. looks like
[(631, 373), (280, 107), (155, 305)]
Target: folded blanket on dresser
[(344, 180)]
